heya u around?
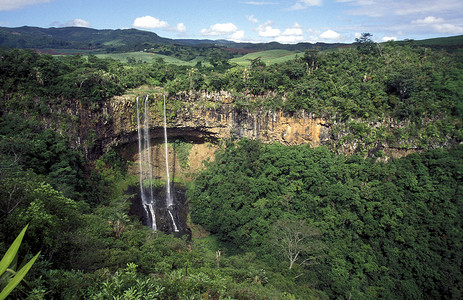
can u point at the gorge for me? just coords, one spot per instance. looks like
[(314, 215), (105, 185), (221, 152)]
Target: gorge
[(144, 128), (182, 177)]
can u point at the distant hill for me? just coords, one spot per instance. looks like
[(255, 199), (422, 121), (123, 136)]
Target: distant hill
[(124, 40), (69, 40), (79, 38)]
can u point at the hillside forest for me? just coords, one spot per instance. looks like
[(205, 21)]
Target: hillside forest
[(267, 221)]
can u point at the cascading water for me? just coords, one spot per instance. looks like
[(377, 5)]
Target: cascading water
[(169, 199), (145, 166)]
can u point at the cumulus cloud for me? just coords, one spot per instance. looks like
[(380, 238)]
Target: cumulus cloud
[(291, 35), (303, 4), (237, 36), (180, 27), (16, 4), (78, 23), (296, 30), (149, 22), (267, 30), (439, 25), (219, 29), (330, 35)]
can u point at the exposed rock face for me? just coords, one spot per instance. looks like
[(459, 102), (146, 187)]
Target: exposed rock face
[(211, 117), (214, 119)]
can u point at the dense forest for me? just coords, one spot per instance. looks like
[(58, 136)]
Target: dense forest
[(268, 221)]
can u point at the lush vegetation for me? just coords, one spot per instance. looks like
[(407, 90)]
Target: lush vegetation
[(285, 222), (374, 230), (90, 247)]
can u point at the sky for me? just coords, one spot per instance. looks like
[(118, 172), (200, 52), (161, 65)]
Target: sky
[(284, 21)]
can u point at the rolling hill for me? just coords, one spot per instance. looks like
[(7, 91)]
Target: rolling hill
[(73, 40)]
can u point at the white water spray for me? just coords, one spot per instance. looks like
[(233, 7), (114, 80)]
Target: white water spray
[(147, 197), (169, 199)]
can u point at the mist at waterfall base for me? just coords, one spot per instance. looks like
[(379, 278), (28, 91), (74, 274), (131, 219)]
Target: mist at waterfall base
[(163, 219), (160, 208)]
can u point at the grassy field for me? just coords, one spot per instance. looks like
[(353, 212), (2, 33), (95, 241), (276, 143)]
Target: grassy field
[(268, 57), (148, 57)]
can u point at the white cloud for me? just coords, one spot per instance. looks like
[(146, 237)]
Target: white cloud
[(448, 28), (330, 35), (268, 31), (303, 4), (237, 36), (16, 4), (291, 35), (439, 25), (428, 20), (389, 38), (295, 30), (219, 29), (78, 23), (180, 27), (149, 22), (289, 39), (252, 19)]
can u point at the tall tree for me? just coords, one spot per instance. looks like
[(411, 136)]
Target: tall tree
[(365, 43), (295, 240)]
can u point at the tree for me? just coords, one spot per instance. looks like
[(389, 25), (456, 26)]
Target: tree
[(310, 59), (295, 240), (365, 44)]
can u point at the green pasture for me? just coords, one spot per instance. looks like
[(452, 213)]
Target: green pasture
[(268, 57), (148, 57)]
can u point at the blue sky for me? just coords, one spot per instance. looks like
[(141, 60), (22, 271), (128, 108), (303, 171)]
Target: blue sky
[(285, 21)]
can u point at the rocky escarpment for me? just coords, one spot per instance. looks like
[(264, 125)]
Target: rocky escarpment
[(200, 117), (213, 117)]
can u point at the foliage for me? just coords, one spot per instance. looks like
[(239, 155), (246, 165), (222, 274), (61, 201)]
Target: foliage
[(47, 153), (365, 44), (390, 229), (372, 229), (9, 278), (127, 284), (182, 151)]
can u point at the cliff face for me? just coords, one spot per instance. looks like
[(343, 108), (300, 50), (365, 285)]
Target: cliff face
[(204, 117), (202, 120), (207, 117)]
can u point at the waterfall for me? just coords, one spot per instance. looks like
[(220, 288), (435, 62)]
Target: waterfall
[(145, 167), (169, 199)]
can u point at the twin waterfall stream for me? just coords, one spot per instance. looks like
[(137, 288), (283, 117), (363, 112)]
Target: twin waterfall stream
[(151, 205)]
